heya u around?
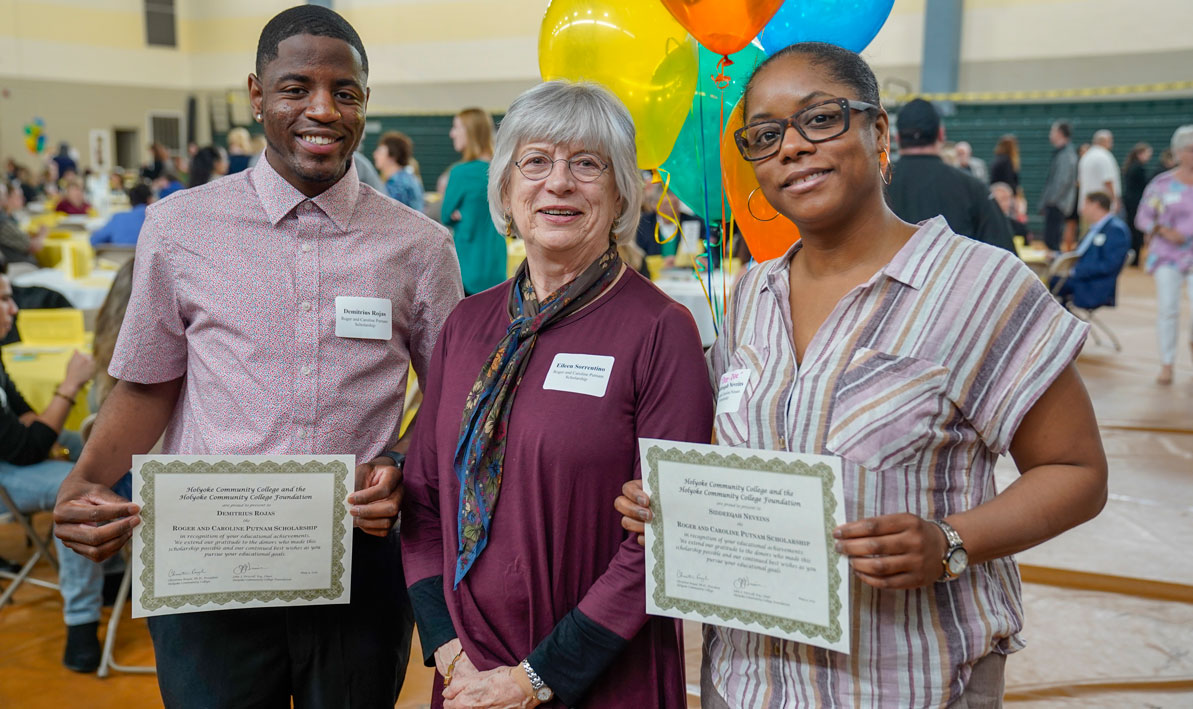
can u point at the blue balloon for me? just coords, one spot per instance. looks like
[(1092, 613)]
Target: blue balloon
[(851, 24)]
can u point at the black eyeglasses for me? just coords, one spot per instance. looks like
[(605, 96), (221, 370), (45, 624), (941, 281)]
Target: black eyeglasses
[(818, 123), (585, 167)]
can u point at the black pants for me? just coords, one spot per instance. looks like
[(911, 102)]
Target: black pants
[(325, 657), (1054, 227)]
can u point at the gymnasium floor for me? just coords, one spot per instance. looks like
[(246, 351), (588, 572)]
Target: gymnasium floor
[(1109, 605)]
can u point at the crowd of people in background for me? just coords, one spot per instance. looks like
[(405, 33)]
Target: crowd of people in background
[(886, 267), (986, 201)]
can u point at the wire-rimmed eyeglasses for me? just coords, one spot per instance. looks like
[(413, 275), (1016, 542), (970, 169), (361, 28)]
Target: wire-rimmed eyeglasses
[(585, 167), (816, 123)]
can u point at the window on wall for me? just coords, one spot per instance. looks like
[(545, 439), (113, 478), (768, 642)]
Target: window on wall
[(160, 25), (166, 128)]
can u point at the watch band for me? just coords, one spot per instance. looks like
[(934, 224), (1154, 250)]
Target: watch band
[(399, 459), (541, 691), (953, 538), (950, 534)]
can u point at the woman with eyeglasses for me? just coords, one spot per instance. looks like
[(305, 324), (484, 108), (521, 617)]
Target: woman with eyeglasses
[(525, 587), (918, 357)]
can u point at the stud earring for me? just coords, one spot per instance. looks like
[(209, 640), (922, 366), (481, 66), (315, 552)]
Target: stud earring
[(258, 116)]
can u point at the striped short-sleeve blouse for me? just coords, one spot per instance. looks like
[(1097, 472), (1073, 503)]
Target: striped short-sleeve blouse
[(918, 380)]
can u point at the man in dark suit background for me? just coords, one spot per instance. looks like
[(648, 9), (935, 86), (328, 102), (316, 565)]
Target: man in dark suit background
[(1102, 252)]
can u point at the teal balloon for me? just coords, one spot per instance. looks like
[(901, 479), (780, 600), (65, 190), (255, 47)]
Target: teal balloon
[(851, 24), (695, 161)]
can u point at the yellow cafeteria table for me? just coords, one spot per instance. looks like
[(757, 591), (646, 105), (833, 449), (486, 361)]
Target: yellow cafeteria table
[(37, 370)]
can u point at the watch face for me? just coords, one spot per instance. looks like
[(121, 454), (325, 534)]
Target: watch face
[(543, 695), (958, 560)]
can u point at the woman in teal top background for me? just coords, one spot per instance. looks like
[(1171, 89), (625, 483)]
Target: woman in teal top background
[(479, 247)]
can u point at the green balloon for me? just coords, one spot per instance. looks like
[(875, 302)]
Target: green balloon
[(695, 161)]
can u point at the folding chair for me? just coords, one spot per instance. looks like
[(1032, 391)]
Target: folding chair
[(41, 548), (107, 662), (1062, 268)]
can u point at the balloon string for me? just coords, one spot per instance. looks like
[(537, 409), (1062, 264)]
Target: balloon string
[(724, 237), (655, 179), (721, 79), (708, 243), (707, 298)]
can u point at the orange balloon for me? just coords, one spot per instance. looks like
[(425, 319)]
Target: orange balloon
[(724, 26), (770, 236)]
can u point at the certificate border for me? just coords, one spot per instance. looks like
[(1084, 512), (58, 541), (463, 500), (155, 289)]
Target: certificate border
[(149, 472), (831, 632)]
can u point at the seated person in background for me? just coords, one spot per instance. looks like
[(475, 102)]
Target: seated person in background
[(32, 479), (16, 246), (167, 185), (207, 164), (682, 248), (73, 200), (678, 250), (124, 227), (393, 154), (1004, 196), (1102, 252), (160, 164)]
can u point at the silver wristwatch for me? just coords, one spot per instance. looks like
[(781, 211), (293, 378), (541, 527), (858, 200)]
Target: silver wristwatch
[(542, 692), (956, 559)]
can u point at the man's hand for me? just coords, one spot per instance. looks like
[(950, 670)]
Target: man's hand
[(378, 496), (893, 551), (92, 520)]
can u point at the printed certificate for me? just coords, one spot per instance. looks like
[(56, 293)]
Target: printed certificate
[(743, 538), (222, 532)]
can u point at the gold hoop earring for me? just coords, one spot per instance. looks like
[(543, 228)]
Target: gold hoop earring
[(882, 170), (509, 226), (750, 209)]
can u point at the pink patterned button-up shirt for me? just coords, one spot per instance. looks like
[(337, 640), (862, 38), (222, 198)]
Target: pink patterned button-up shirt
[(235, 287)]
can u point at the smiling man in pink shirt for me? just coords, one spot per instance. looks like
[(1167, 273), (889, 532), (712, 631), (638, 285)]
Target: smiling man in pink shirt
[(229, 347)]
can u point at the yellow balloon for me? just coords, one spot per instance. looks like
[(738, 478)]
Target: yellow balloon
[(634, 48)]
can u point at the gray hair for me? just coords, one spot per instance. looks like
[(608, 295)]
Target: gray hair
[(1103, 136), (1182, 138), (1001, 187), (566, 112)]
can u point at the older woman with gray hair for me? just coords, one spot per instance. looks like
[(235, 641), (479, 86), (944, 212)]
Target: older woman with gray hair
[(525, 587), (1165, 217)]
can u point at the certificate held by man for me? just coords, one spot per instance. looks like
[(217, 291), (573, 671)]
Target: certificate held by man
[(743, 538), (223, 532)]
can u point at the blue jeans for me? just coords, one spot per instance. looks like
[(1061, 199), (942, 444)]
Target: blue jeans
[(34, 488)]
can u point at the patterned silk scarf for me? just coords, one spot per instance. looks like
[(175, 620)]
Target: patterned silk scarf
[(480, 453)]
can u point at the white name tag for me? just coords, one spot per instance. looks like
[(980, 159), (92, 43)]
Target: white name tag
[(729, 393), (364, 318), (579, 373)]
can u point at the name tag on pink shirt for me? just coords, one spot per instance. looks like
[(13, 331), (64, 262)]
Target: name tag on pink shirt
[(730, 390), (579, 373), (364, 318)]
